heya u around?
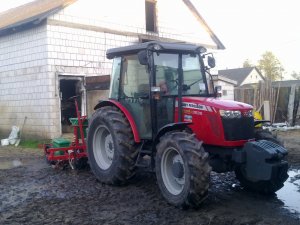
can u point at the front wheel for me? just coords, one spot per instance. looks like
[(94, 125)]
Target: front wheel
[(261, 134), (182, 169)]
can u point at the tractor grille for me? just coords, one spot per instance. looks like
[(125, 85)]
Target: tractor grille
[(238, 129)]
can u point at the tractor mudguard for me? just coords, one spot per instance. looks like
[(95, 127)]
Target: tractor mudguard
[(170, 127), (263, 160), (117, 104)]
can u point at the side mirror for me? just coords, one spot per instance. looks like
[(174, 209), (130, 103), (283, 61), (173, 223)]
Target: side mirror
[(142, 56), (211, 61), (218, 91)]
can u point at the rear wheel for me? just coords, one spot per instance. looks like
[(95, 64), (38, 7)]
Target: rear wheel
[(111, 148), (182, 169)]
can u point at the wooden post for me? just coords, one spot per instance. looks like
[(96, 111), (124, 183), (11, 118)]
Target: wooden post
[(291, 104), (267, 113)]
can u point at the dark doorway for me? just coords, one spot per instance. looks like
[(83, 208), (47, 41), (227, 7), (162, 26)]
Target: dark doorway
[(68, 89)]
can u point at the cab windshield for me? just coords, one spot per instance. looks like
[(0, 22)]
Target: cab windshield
[(167, 65)]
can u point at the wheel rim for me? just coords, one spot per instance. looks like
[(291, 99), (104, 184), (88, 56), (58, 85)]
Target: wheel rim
[(103, 147), (174, 182)]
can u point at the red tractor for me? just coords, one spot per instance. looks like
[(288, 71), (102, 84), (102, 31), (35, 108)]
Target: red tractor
[(163, 113)]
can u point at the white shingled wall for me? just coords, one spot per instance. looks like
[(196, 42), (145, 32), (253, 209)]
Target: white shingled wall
[(252, 78), (26, 89), (31, 60)]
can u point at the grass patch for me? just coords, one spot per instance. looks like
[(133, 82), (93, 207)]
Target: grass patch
[(31, 143)]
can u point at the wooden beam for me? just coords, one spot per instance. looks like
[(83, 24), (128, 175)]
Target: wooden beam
[(267, 113), (291, 104), (97, 83)]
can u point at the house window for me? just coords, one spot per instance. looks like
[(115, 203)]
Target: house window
[(224, 92), (150, 8)]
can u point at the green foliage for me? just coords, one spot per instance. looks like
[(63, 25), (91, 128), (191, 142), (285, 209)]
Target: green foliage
[(31, 143), (270, 66), (247, 63), (295, 75)]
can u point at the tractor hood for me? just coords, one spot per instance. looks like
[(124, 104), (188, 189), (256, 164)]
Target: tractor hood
[(218, 103)]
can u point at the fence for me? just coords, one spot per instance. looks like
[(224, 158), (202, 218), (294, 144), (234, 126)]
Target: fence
[(282, 96)]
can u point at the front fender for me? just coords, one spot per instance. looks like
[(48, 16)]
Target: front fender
[(170, 127)]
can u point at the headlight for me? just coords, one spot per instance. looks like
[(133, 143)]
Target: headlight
[(248, 113), (230, 114)]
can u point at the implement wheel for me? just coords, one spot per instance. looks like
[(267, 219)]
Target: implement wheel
[(111, 148), (182, 169)]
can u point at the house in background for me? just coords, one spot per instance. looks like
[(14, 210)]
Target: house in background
[(248, 75), (51, 50), (227, 86)]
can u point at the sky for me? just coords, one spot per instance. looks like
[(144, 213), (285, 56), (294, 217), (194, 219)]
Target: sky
[(247, 29)]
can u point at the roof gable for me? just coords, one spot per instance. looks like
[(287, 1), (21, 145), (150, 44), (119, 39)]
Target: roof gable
[(238, 74), (37, 11), (33, 12), (201, 20), (224, 79)]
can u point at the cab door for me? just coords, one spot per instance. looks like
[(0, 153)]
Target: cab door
[(166, 78), (135, 92)]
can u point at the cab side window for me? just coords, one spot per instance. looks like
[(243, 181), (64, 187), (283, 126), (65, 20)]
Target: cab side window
[(135, 79)]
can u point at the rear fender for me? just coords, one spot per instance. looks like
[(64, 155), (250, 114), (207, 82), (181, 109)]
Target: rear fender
[(117, 104)]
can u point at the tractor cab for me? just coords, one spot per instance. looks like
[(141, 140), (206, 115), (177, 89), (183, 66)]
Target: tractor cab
[(150, 79)]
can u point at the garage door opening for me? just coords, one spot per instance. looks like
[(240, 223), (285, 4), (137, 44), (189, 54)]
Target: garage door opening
[(69, 88)]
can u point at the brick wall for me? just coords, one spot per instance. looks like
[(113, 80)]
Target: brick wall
[(79, 51), (25, 87)]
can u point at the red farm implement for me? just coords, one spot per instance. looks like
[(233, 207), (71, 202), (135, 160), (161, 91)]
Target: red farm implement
[(62, 152)]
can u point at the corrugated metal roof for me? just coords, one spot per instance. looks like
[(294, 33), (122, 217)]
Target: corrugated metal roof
[(30, 12)]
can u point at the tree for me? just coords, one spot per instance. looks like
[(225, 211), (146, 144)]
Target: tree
[(247, 63), (270, 66), (295, 75)]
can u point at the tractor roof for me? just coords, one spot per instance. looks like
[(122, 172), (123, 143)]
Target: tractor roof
[(165, 46)]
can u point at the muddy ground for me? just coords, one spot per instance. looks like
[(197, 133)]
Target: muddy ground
[(31, 192)]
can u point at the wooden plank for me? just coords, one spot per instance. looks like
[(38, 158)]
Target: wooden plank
[(97, 82), (267, 114), (291, 104)]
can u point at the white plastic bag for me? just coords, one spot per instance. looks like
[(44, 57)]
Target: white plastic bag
[(13, 136)]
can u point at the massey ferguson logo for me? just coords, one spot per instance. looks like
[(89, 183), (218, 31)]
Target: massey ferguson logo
[(189, 105)]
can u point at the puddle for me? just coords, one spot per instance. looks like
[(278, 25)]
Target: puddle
[(290, 193), (10, 164)]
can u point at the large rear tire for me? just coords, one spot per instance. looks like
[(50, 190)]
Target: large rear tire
[(182, 169), (111, 149)]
